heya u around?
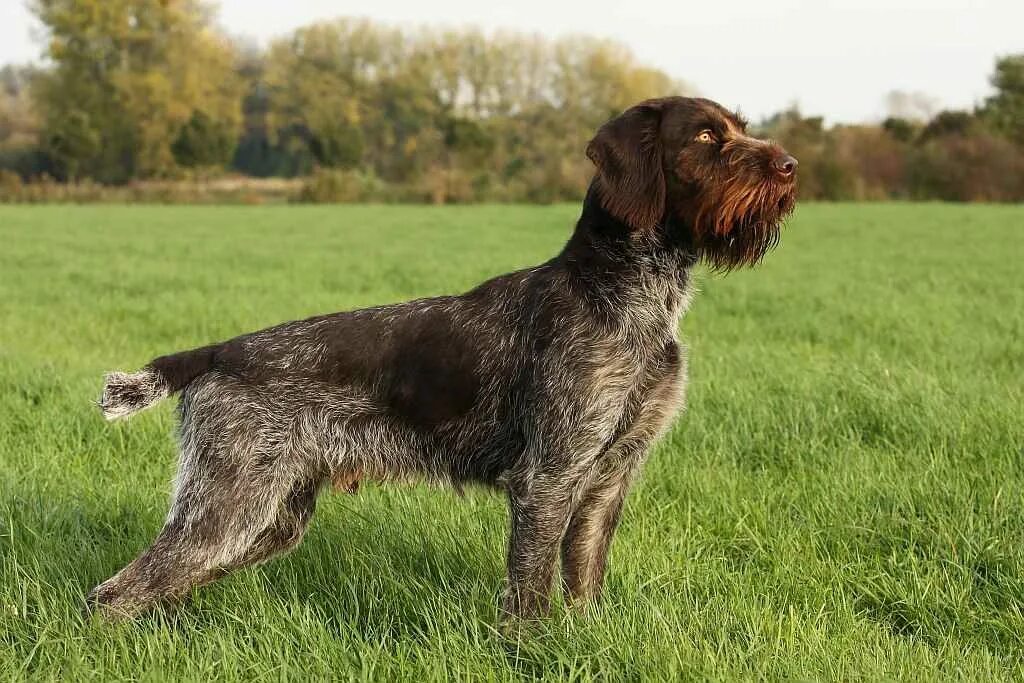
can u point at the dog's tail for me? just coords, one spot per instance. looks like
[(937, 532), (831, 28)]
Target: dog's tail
[(127, 393)]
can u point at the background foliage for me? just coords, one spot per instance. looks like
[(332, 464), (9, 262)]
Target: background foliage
[(139, 90)]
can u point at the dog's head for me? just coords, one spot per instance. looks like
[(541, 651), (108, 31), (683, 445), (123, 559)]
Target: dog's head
[(688, 162)]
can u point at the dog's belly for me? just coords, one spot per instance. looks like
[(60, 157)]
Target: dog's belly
[(361, 434)]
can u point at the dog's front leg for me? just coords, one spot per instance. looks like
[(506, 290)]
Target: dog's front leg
[(539, 509), (589, 535), (593, 522)]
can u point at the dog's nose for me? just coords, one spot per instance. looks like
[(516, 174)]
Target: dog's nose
[(785, 164)]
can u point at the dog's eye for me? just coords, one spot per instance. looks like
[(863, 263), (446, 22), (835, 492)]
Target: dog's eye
[(705, 136)]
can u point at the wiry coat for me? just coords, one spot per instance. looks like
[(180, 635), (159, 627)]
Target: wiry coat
[(550, 383)]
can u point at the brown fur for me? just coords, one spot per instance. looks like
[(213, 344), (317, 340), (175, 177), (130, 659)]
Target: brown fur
[(732, 202)]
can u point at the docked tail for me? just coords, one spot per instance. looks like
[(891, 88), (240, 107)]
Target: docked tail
[(127, 393)]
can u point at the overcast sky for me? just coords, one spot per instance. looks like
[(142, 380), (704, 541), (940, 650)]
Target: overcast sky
[(838, 58)]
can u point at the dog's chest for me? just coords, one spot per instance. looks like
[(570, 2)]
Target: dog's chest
[(632, 365), (624, 370)]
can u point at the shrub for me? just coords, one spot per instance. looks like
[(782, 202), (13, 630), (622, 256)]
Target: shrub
[(10, 186), (979, 167), (339, 186)]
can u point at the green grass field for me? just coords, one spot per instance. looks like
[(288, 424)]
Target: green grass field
[(843, 499)]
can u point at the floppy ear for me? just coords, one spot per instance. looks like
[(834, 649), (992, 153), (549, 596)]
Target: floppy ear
[(627, 153)]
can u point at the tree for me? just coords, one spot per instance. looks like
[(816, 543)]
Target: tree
[(1005, 110), (129, 77), (203, 142), (319, 82), (19, 124), (949, 122), (20, 127), (900, 129)]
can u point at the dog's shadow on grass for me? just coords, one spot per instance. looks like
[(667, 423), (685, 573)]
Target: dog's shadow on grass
[(362, 567)]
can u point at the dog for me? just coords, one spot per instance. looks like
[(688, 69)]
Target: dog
[(549, 383)]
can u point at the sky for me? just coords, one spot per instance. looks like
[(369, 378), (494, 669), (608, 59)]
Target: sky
[(836, 58)]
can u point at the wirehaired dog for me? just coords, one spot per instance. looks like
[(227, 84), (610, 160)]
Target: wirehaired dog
[(550, 383)]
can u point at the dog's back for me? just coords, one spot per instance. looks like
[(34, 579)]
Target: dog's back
[(422, 388)]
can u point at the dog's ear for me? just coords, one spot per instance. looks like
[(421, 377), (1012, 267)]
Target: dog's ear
[(627, 153)]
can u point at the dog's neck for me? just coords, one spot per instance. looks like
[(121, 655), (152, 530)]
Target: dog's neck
[(626, 274)]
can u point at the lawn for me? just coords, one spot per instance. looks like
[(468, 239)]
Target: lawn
[(843, 499)]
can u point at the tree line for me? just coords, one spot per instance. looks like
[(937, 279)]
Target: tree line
[(151, 90)]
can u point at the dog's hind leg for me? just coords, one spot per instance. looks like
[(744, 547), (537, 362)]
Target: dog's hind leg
[(287, 529), (223, 517)]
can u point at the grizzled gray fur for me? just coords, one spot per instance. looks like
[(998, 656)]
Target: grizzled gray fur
[(550, 383)]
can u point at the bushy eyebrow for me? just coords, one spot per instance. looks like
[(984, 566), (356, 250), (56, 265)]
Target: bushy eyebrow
[(724, 121), (723, 126)]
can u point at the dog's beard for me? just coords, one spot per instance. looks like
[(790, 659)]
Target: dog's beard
[(740, 223)]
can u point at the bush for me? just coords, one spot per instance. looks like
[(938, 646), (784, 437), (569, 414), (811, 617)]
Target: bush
[(10, 186), (328, 186), (979, 167), (46, 190), (199, 190)]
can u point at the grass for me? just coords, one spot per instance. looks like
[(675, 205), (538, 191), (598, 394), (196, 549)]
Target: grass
[(844, 498)]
